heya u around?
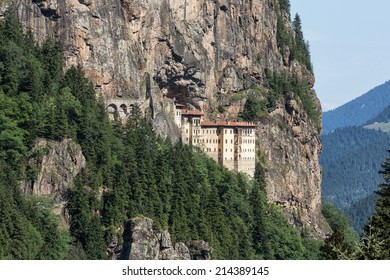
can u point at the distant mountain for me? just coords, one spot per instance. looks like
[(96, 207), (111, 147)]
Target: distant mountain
[(381, 121), (382, 117), (358, 111)]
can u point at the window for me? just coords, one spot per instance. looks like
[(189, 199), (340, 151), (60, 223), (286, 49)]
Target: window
[(225, 141), (231, 141)]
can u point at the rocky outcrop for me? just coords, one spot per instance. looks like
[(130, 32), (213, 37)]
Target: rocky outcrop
[(141, 241), (55, 166), (52, 169), (209, 54)]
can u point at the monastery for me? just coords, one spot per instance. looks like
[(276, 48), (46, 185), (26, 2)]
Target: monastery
[(231, 144)]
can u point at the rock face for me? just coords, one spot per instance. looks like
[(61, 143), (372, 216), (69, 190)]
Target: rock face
[(205, 53), (143, 242), (53, 168), (291, 149), (191, 49), (56, 164)]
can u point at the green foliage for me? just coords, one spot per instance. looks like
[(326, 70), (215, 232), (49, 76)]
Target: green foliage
[(285, 6), (339, 222), (336, 247), (28, 228), (351, 159), (378, 229), (221, 109), (300, 49), (280, 85), (292, 43), (375, 243), (255, 108)]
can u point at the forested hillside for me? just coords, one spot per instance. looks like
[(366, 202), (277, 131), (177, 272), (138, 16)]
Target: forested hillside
[(382, 117), (351, 159), (130, 171), (360, 211), (375, 242), (359, 110)]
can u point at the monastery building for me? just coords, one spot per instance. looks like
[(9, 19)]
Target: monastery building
[(231, 144)]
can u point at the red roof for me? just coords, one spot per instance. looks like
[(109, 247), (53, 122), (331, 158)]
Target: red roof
[(191, 113), (229, 124)]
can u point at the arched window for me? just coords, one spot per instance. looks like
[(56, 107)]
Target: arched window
[(124, 110), (112, 111)]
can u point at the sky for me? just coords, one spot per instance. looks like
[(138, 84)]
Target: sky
[(349, 45)]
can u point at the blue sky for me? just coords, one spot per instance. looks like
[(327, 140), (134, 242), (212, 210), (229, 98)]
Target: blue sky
[(349, 44)]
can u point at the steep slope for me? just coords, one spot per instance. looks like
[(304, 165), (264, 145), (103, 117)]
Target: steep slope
[(209, 55), (359, 110), (351, 173), (351, 159), (381, 121), (382, 117), (360, 211)]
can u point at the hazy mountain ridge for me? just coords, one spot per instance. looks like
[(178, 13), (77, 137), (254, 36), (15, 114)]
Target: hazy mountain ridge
[(358, 111), (382, 117)]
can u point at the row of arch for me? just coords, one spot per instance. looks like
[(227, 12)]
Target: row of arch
[(123, 111)]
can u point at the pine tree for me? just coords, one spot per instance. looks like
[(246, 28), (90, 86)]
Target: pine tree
[(379, 224), (336, 247), (258, 201), (301, 50)]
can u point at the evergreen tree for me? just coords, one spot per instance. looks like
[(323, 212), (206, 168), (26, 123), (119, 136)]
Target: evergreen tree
[(379, 225), (301, 49), (336, 247), (258, 201)]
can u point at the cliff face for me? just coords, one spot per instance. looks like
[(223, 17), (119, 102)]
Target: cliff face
[(204, 53), (53, 169), (291, 147)]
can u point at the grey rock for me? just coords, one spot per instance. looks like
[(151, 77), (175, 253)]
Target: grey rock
[(56, 165), (199, 250), (143, 242)]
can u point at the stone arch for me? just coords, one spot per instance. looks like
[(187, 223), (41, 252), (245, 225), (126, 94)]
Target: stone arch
[(112, 110), (123, 112)]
